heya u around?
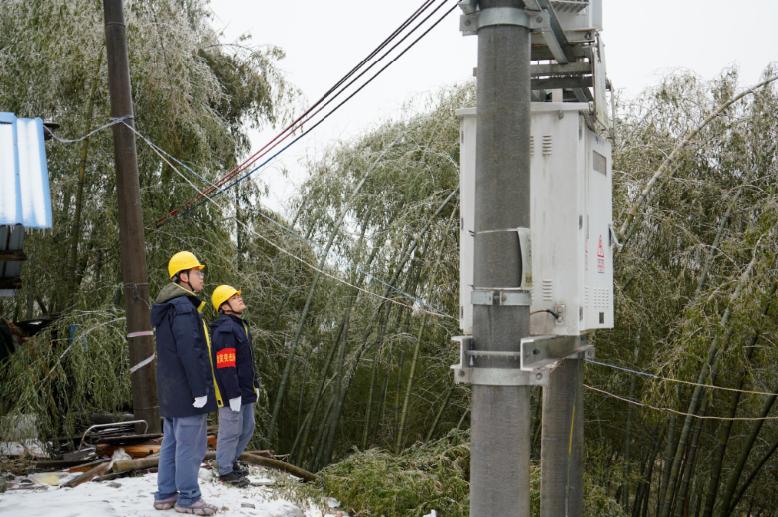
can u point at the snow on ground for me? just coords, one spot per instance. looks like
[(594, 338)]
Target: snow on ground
[(132, 496)]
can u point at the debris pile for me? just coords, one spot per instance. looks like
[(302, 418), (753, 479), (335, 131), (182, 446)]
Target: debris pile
[(106, 453)]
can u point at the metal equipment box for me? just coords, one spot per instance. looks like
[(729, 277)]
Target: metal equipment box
[(578, 17), (570, 223)]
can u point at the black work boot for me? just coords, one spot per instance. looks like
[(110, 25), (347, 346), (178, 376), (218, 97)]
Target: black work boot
[(240, 468), (234, 479)]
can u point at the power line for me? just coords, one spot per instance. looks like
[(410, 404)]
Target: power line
[(199, 200), (680, 381), (307, 115), (162, 153), (113, 122), (327, 115), (676, 412), (155, 147), (289, 253)]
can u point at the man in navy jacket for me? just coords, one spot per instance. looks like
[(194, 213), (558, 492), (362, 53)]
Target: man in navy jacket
[(184, 385), (237, 381)]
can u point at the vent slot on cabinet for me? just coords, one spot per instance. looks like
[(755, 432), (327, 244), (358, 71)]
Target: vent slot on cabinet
[(547, 145), (547, 288)]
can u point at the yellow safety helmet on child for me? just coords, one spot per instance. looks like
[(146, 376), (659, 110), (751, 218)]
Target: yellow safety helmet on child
[(221, 294), (183, 261)]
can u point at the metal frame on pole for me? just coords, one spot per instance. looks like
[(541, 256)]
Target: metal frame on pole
[(131, 233)]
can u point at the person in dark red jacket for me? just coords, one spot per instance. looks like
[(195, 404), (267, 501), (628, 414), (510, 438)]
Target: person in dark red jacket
[(237, 381), (185, 386)]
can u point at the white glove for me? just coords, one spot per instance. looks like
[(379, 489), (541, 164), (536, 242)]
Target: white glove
[(200, 401), (235, 404)]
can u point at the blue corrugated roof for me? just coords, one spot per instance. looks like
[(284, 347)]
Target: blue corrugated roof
[(24, 176)]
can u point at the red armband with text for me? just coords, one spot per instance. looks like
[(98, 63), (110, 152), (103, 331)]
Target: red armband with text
[(225, 358)]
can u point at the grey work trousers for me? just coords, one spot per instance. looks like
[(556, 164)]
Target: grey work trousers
[(235, 431)]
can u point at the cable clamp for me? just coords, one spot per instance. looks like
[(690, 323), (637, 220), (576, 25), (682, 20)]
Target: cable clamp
[(501, 296), (473, 20)]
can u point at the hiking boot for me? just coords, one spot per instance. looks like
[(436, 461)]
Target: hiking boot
[(234, 479), (240, 468), (199, 507), (166, 503)]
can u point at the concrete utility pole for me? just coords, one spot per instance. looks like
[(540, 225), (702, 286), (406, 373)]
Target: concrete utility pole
[(131, 235), (500, 415), (561, 454), (566, 281)]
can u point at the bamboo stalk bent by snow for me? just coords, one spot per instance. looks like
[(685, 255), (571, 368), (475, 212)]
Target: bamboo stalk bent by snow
[(626, 229)]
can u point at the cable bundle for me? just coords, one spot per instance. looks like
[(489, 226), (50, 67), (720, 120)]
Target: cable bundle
[(249, 166)]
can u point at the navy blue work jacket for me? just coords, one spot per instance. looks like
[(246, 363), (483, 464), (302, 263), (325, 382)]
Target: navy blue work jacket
[(233, 358), (183, 365)]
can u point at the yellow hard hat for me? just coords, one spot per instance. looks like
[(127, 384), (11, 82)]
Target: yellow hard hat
[(182, 261), (221, 294)]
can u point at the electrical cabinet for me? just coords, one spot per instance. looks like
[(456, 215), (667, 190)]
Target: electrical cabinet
[(579, 18), (570, 224)]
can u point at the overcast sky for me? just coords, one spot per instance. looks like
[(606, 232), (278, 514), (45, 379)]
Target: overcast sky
[(323, 40)]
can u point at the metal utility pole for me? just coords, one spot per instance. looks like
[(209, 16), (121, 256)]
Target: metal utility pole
[(131, 235), (500, 414)]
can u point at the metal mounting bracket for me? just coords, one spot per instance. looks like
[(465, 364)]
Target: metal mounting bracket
[(545, 351), (470, 22), (464, 374), (500, 296)]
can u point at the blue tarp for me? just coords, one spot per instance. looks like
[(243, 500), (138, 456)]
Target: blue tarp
[(24, 176)]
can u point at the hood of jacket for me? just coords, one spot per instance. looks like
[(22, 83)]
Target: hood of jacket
[(169, 292), (225, 319)]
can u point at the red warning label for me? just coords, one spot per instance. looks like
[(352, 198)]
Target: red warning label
[(600, 256)]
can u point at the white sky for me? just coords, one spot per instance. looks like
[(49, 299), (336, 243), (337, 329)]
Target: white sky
[(323, 40)]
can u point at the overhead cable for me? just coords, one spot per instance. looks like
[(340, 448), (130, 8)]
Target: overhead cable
[(163, 154), (680, 381), (307, 115), (327, 115), (310, 112), (113, 122), (289, 253), (677, 412)]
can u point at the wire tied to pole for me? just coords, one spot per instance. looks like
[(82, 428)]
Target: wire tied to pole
[(112, 122)]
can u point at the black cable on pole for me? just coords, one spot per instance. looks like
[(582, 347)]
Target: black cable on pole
[(297, 122), (423, 7), (327, 115)]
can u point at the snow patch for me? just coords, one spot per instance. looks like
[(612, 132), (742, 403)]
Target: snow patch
[(133, 496), (32, 448)]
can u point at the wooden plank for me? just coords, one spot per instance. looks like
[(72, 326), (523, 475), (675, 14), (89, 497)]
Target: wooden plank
[(83, 467), (98, 470)]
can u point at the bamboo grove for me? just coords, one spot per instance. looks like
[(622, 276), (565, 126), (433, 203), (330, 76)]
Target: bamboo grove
[(353, 298)]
